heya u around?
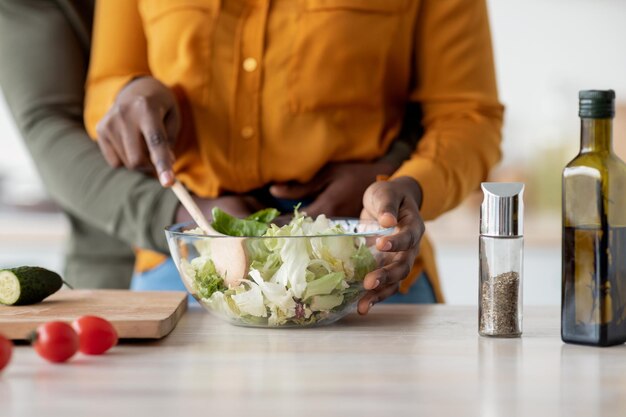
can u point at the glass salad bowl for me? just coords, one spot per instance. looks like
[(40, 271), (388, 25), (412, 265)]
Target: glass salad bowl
[(306, 273)]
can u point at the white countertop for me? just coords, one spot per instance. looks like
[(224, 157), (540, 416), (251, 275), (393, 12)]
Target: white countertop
[(398, 361)]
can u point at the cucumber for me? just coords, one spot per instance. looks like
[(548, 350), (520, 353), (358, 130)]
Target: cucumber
[(27, 285)]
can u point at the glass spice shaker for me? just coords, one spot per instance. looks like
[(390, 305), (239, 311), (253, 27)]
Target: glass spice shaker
[(501, 250)]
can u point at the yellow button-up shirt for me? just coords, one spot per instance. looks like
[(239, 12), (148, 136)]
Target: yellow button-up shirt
[(276, 89)]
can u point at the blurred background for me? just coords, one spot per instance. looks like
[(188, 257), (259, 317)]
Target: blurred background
[(545, 50)]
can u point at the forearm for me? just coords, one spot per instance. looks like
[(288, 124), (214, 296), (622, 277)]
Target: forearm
[(456, 87), (452, 160), (122, 203), (42, 83)]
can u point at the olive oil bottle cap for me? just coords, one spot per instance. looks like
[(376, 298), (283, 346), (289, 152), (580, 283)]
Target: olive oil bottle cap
[(502, 210), (596, 104)]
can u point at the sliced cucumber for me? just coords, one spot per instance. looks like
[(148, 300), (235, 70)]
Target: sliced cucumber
[(27, 285)]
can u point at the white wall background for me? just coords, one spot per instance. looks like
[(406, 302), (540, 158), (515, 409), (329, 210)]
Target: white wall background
[(18, 176), (546, 50)]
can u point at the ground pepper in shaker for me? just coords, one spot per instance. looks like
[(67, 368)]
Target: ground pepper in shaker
[(501, 253)]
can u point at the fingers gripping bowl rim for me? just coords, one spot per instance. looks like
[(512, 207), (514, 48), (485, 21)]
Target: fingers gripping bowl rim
[(306, 273)]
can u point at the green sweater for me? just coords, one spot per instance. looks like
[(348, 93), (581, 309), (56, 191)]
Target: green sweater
[(44, 47)]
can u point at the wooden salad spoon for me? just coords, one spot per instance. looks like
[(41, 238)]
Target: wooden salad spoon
[(227, 252)]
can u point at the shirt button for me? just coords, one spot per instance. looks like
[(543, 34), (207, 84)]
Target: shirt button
[(250, 64), (247, 132)]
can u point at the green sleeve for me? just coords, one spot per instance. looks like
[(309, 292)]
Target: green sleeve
[(42, 75)]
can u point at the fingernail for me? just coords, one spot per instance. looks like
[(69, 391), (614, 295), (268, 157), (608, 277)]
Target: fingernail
[(386, 246), (390, 215), (376, 284), (166, 178)]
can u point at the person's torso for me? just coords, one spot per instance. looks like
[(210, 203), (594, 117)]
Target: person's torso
[(279, 88)]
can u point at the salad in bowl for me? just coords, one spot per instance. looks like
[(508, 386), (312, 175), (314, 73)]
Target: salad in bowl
[(258, 273)]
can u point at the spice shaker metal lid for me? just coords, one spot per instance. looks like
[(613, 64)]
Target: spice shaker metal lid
[(502, 210)]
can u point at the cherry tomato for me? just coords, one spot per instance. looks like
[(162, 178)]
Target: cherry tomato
[(55, 341), (6, 349), (96, 334)]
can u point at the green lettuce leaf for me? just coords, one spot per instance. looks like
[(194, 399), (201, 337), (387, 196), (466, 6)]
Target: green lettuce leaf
[(264, 216), (324, 285), (268, 266), (326, 302), (232, 226)]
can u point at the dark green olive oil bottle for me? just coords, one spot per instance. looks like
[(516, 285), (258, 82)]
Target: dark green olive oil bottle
[(593, 298)]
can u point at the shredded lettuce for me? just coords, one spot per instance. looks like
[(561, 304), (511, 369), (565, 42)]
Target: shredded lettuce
[(363, 262), (326, 302), (250, 301), (324, 285), (292, 273), (207, 281), (291, 281), (218, 302)]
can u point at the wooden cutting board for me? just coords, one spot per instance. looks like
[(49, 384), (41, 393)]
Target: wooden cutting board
[(134, 314)]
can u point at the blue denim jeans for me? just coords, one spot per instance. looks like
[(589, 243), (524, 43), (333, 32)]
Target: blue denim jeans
[(165, 278), (421, 292)]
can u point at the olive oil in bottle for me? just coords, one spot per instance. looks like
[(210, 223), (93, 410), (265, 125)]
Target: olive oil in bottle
[(593, 298)]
